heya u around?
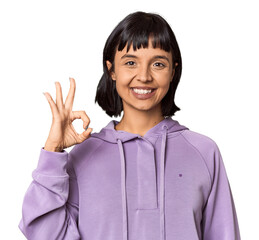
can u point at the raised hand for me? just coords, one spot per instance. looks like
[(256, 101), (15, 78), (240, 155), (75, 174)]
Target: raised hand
[(62, 132)]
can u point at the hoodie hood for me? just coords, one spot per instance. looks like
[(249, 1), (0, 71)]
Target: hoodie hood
[(147, 184), (111, 135)]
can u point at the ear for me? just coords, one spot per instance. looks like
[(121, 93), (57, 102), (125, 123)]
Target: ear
[(176, 64), (109, 66)]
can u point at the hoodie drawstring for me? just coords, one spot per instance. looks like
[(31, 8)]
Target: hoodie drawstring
[(162, 184), (162, 190), (123, 192)]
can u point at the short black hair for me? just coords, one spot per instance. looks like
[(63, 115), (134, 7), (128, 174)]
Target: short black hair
[(135, 29)]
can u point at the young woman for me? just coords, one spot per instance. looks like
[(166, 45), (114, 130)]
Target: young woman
[(146, 177)]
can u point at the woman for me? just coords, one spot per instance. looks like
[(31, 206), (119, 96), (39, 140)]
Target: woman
[(145, 177)]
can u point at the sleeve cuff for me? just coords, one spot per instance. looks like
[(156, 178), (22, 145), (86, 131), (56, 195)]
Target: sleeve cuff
[(52, 163)]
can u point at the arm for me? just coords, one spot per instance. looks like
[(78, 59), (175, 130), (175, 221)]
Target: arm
[(50, 205), (219, 215)]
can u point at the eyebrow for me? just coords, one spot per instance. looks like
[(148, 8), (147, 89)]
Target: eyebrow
[(155, 57)]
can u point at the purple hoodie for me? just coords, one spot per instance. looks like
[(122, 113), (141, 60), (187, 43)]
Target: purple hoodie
[(170, 184)]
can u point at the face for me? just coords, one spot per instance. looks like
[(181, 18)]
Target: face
[(142, 77)]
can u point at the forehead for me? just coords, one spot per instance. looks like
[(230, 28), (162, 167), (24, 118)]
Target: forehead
[(148, 51)]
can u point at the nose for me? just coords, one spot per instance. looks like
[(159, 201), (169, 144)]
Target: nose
[(144, 74)]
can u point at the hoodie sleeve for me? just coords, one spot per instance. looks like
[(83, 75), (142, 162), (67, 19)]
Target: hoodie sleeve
[(50, 205), (219, 214)]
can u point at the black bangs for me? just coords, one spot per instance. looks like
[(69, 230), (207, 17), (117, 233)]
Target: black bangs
[(137, 32)]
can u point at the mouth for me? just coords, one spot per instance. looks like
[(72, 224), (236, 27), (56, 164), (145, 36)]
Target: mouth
[(145, 90), (143, 94)]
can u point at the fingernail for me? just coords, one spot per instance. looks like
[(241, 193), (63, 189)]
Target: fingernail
[(43, 93), (70, 78)]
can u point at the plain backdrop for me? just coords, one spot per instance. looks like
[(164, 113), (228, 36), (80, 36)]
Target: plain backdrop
[(46, 41)]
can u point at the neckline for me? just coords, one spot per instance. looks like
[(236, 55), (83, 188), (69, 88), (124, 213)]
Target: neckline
[(148, 132)]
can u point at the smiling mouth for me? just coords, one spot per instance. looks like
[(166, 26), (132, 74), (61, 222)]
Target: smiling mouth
[(142, 91)]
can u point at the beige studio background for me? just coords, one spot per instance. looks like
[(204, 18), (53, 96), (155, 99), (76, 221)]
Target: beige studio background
[(46, 41)]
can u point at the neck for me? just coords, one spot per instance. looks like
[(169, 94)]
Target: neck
[(139, 122)]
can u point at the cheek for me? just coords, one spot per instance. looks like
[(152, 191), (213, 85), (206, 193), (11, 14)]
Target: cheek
[(123, 77), (164, 80), (122, 83)]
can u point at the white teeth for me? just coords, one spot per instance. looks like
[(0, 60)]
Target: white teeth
[(141, 91)]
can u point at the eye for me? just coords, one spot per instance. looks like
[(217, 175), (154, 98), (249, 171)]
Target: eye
[(130, 63), (159, 64)]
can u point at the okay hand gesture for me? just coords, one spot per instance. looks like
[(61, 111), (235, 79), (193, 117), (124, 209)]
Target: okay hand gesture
[(62, 133)]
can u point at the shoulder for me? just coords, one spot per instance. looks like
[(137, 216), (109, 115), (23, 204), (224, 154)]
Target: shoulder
[(83, 151), (201, 142), (206, 147)]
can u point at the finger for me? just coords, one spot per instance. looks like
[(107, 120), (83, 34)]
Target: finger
[(52, 104), (81, 115), (85, 134), (59, 97), (71, 94)]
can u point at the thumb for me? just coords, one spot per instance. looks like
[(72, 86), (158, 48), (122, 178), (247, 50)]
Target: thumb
[(86, 134)]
